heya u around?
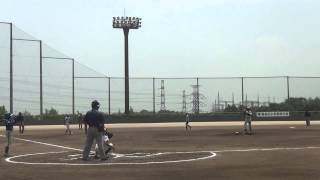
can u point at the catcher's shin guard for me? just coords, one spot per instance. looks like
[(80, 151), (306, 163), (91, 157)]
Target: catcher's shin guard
[(108, 150), (6, 150)]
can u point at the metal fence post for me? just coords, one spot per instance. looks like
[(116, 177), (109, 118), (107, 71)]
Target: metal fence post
[(41, 93), (198, 98), (154, 97), (109, 96), (11, 69), (73, 104), (288, 88), (242, 95)]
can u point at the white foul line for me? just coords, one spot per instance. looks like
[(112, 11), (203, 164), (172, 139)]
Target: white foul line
[(267, 149), (46, 144)]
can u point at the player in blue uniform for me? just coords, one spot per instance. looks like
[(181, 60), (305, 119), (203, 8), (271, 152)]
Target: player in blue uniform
[(9, 121), (95, 120)]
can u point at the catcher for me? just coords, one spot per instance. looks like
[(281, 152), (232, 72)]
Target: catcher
[(107, 145)]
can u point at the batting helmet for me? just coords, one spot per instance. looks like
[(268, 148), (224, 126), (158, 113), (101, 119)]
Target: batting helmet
[(95, 104)]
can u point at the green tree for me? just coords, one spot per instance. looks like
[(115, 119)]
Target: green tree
[(2, 110), (131, 110), (294, 104), (51, 112), (231, 108), (26, 113)]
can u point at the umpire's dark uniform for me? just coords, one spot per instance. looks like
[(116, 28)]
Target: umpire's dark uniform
[(95, 120)]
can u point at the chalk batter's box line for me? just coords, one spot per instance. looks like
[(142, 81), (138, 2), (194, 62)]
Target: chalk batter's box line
[(86, 164)]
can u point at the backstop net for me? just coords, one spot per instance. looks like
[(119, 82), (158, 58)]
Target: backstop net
[(147, 95)]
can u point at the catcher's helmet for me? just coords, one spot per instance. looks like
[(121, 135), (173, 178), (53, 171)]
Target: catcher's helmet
[(95, 104), (109, 134)]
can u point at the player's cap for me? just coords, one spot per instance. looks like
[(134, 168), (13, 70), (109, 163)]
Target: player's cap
[(95, 104)]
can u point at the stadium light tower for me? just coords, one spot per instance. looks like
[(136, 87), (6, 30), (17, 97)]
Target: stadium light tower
[(126, 23)]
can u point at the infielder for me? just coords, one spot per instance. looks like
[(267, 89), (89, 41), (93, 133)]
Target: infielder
[(187, 122), (80, 120), (95, 120), (307, 115), (67, 120), (247, 120)]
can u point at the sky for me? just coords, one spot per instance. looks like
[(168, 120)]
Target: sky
[(180, 38)]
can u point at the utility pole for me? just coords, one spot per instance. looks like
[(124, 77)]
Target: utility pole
[(154, 95), (242, 92), (218, 101), (163, 97), (288, 88), (232, 98), (184, 102), (195, 99)]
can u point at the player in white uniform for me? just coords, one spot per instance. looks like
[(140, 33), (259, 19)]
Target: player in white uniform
[(67, 122), (187, 122), (9, 120), (247, 120)]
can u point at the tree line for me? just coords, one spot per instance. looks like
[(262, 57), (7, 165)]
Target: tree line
[(292, 104)]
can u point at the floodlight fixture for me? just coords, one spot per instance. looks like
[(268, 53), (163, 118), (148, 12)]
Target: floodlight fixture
[(127, 22)]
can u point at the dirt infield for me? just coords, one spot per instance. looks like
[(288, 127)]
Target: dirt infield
[(285, 151)]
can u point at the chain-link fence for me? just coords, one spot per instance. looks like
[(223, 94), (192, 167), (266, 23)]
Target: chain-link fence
[(45, 80), (209, 94)]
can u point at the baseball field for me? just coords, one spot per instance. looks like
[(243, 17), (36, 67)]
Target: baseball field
[(276, 150)]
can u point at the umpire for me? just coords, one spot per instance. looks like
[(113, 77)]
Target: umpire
[(95, 120)]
